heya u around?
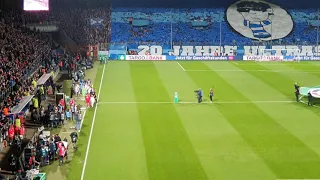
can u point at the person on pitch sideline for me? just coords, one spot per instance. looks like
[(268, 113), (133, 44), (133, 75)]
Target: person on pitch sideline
[(297, 92), (211, 94), (309, 99), (200, 94), (296, 86)]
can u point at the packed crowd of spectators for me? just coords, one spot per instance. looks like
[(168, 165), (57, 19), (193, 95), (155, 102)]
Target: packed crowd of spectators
[(25, 55), (46, 149), (76, 23)]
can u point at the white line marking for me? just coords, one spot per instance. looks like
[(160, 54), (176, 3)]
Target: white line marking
[(215, 102), (181, 66), (262, 70), (93, 121), (235, 63), (276, 64)]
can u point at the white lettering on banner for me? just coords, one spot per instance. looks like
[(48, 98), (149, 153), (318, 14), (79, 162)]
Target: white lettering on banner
[(317, 51), (145, 57), (187, 51), (202, 50), (176, 50), (216, 50), (156, 50), (263, 58), (307, 58), (231, 50), (144, 49), (253, 50), (203, 58), (292, 50), (278, 50), (305, 50)]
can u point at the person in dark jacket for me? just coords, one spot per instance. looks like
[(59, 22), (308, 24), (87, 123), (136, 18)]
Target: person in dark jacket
[(310, 99), (200, 94), (13, 163)]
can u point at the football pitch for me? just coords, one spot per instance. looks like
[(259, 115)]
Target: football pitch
[(253, 130)]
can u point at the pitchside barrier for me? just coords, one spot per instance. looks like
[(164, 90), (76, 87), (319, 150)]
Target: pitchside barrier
[(212, 58), (176, 58)]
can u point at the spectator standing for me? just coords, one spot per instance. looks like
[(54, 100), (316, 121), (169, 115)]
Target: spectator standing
[(62, 152), (79, 119)]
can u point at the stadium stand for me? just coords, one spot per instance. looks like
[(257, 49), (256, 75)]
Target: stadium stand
[(25, 55), (148, 26), (23, 52), (76, 23)]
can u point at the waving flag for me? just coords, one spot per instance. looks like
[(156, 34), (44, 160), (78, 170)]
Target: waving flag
[(96, 22)]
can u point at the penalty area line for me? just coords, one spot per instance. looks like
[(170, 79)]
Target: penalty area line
[(190, 102), (181, 66)]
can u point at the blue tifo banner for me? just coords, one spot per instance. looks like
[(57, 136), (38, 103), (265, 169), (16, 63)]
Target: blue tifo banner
[(203, 58), (96, 22)]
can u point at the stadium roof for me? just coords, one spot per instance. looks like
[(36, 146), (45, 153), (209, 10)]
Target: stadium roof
[(297, 4)]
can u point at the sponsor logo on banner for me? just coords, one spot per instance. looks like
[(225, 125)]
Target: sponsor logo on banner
[(315, 92), (262, 58), (145, 58), (121, 57)]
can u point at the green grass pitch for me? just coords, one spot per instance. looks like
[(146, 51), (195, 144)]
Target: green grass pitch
[(253, 131)]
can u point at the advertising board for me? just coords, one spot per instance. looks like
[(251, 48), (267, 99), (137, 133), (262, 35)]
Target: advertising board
[(145, 58), (263, 58)]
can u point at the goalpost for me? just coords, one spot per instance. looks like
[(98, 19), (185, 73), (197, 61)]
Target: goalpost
[(266, 55)]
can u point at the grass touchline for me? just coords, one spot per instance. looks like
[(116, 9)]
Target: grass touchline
[(92, 126)]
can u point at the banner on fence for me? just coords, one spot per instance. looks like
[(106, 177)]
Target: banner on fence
[(303, 58), (227, 50), (262, 58), (198, 58), (203, 58), (144, 58)]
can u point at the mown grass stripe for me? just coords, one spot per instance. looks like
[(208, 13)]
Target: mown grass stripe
[(117, 136), (302, 121), (169, 153), (302, 77), (309, 67), (284, 154), (218, 145), (284, 83)]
